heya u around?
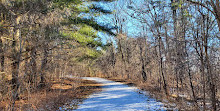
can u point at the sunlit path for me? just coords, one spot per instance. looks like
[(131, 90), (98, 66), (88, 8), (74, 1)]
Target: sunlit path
[(116, 96)]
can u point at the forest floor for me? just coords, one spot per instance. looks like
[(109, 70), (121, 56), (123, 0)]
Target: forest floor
[(70, 92), (58, 93)]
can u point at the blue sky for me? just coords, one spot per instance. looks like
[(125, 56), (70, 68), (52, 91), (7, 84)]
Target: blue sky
[(132, 27)]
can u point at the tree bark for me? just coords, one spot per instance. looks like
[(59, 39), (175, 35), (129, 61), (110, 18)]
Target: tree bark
[(161, 67), (15, 59), (144, 75), (33, 74), (2, 57), (45, 56), (43, 67), (190, 81)]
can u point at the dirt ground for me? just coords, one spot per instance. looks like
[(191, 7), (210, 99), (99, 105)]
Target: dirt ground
[(58, 93)]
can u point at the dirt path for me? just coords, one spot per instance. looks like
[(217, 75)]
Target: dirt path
[(116, 96)]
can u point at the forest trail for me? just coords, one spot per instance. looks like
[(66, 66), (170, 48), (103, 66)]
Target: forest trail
[(116, 96)]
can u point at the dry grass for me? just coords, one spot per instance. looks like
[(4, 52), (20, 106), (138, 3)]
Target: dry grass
[(55, 95)]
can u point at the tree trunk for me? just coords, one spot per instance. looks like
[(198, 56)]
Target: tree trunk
[(144, 75), (176, 62), (15, 60), (43, 67), (2, 57), (190, 81), (26, 66), (161, 67), (45, 56), (33, 74), (210, 76), (202, 69), (122, 55)]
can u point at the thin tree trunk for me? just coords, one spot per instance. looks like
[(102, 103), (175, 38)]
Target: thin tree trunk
[(174, 16), (122, 55), (43, 67), (2, 57), (204, 81), (211, 85), (15, 61), (26, 66), (45, 56), (144, 75), (33, 78), (210, 77), (209, 68), (161, 68), (190, 81)]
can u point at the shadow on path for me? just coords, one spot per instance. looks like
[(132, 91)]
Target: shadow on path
[(116, 96)]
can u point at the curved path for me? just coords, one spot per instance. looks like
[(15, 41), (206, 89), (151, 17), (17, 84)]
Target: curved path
[(116, 96)]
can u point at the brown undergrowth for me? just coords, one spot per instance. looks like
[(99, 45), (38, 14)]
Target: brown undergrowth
[(55, 95)]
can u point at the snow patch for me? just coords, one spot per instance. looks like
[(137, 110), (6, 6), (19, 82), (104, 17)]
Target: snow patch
[(116, 96)]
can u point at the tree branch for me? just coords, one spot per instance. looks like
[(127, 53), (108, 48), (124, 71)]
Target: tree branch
[(201, 4)]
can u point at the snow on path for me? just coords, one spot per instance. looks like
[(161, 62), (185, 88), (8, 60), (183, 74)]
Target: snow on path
[(116, 96)]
